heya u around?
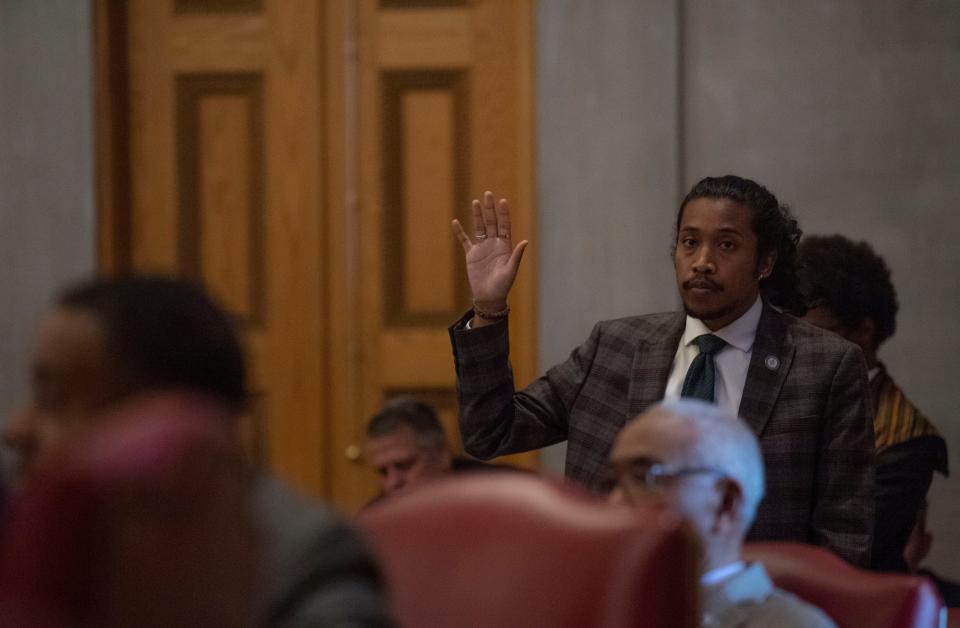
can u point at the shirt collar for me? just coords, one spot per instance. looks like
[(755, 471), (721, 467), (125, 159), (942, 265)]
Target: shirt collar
[(722, 573), (740, 333)]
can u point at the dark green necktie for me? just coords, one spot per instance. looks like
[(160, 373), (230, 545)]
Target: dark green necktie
[(703, 372)]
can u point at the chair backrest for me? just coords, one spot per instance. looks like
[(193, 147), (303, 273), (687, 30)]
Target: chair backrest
[(953, 618), (850, 596), (144, 522), (507, 550)]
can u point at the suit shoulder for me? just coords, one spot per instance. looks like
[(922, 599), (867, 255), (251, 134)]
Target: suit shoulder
[(643, 325), (807, 335)]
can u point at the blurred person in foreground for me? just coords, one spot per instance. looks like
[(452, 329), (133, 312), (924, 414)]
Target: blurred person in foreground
[(145, 520), (407, 445), (705, 463), (109, 341), (848, 290)]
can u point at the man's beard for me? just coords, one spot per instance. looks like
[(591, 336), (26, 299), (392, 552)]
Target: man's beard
[(709, 315)]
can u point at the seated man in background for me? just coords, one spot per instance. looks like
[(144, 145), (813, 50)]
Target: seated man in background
[(847, 289), (705, 463), (406, 444), (109, 341)]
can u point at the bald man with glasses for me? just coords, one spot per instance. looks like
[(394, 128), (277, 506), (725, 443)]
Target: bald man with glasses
[(705, 464)]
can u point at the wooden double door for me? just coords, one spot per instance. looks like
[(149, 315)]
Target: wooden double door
[(304, 158)]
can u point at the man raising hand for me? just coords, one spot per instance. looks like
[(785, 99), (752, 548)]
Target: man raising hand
[(800, 389)]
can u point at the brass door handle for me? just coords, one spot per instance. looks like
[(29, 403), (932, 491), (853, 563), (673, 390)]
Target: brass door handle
[(353, 453)]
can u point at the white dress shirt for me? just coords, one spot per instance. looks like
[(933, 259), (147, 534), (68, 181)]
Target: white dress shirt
[(732, 361)]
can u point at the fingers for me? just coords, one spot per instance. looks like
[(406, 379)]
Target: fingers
[(461, 235), (477, 213), (517, 255), (503, 219), (489, 216), (491, 219)]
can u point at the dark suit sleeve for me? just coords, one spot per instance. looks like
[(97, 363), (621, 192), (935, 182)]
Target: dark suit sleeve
[(341, 590), (494, 418), (843, 511), (316, 570), (904, 473)]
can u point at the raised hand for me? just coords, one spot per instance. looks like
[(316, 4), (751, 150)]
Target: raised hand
[(492, 260)]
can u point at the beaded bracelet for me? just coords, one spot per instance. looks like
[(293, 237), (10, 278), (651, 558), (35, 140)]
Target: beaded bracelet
[(491, 316)]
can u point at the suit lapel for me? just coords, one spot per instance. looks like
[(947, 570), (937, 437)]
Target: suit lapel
[(773, 351), (651, 364)]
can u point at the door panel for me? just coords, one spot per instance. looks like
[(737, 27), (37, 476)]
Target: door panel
[(445, 108), (304, 160), (225, 188)]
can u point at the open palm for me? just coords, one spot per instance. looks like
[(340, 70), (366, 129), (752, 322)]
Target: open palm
[(492, 260)]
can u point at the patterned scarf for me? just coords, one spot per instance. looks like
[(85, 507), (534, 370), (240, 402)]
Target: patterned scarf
[(896, 419)]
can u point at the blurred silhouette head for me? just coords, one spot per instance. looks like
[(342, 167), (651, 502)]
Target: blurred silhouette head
[(699, 460), (107, 339), (406, 444)]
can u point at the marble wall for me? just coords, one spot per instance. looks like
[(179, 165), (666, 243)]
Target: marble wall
[(47, 229)]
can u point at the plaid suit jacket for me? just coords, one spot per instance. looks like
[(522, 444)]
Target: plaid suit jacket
[(804, 398)]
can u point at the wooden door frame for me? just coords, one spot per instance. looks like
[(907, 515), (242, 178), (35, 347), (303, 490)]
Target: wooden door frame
[(111, 135), (114, 171), (339, 127), (338, 178)]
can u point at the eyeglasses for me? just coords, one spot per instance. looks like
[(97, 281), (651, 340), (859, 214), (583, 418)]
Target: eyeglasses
[(642, 473)]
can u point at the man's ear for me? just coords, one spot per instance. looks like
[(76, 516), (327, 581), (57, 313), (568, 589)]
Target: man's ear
[(617, 496), (926, 540), (730, 504), (765, 267), (445, 457)]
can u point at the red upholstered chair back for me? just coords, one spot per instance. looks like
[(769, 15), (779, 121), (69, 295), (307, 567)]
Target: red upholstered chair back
[(953, 618), (510, 550), (145, 522), (852, 597)]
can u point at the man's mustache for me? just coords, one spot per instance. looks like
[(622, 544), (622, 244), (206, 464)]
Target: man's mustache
[(701, 282)]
